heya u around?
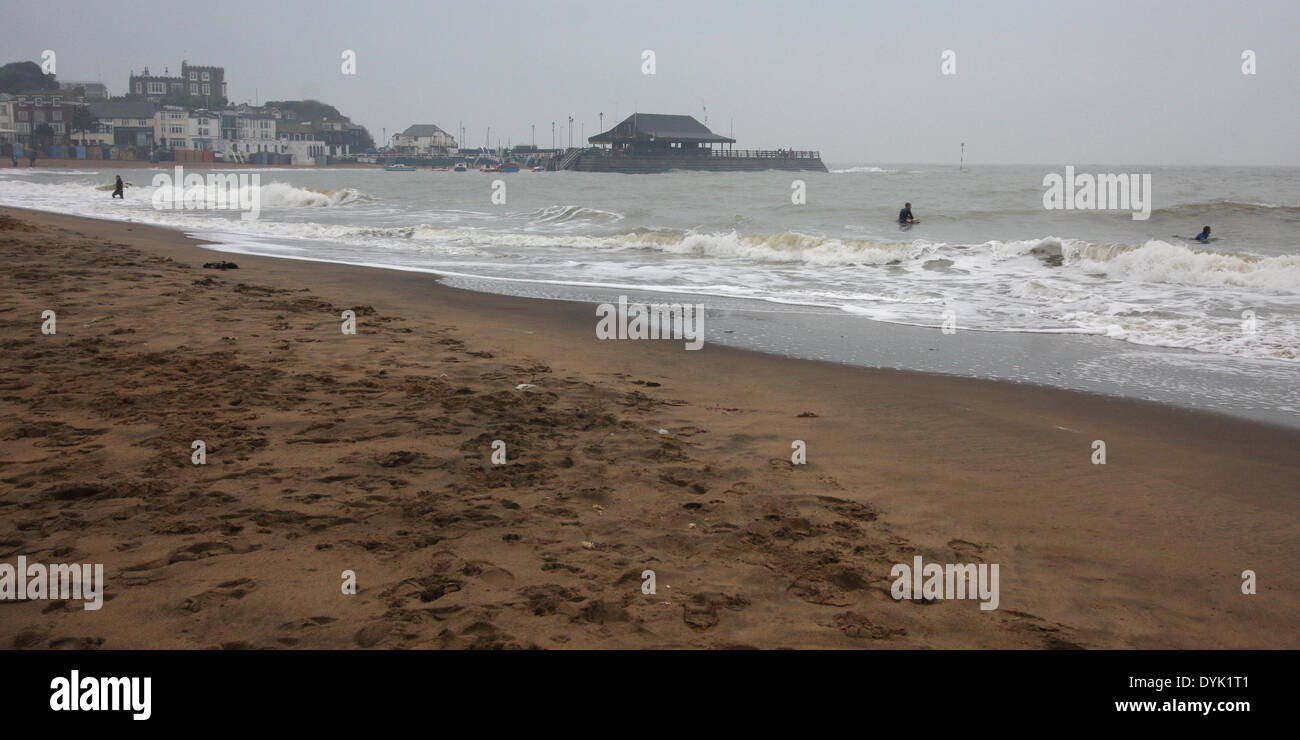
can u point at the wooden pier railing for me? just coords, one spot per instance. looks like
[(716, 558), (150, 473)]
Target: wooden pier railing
[(767, 153)]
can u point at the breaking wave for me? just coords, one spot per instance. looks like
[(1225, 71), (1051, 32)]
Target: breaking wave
[(278, 194), (851, 170)]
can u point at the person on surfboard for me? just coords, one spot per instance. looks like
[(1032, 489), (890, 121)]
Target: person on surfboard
[(905, 215), (1204, 236)]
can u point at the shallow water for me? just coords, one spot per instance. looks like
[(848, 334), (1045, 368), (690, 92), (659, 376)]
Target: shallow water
[(988, 257)]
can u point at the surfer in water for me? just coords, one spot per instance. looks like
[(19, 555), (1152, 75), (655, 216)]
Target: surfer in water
[(905, 215), (117, 189), (1204, 236)]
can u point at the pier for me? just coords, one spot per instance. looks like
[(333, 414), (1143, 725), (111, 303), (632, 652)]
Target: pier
[(647, 143)]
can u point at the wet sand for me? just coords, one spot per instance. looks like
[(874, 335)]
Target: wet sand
[(371, 453)]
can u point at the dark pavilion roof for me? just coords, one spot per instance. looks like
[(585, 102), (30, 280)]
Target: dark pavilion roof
[(659, 127)]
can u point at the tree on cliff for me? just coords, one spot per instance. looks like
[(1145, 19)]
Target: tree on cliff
[(17, 77)]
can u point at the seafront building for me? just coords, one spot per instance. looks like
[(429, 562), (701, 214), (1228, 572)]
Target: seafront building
[(125, 123), (424, 140), (194, 81), (92, 90), (8, 134), (45, 108)]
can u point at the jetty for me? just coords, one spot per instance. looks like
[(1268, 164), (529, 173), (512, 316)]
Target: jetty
[(647, 143)]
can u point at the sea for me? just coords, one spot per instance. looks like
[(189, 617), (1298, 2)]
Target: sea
[(989, 284)]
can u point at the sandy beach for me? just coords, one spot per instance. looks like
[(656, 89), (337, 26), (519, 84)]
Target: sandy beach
[(371, 453)]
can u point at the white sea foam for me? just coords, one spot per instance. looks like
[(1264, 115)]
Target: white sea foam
[(852, 170), (1150, 292)]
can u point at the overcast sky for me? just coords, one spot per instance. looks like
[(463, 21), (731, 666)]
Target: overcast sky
[(1130, 82)]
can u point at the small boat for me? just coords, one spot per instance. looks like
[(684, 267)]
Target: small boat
[(509, 167), (399, 168), (489, 169), (460, 167), (539, 169)]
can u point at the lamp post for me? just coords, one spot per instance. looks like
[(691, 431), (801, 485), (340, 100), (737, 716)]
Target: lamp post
[(533, 126), (570, 132)]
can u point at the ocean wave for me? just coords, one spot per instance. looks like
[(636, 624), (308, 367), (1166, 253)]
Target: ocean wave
[(852, 170), (1206, 210), (573, 215), (278, 194), (787, 246)]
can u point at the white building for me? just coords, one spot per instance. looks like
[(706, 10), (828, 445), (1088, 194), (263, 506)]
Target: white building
[(424, 139), (301, 142), (8, 132), (248, 131)]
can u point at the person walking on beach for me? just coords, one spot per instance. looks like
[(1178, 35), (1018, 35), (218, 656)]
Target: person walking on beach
[(117, 189), (905, 215), (31, 159), (1204, 236), (13, 157)]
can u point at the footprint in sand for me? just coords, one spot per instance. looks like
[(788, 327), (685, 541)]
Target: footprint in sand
[(230, 590), (858, 626)]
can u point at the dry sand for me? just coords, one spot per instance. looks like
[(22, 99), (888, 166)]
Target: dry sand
[(371, 453)]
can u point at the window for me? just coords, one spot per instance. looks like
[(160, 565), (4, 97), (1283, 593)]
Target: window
[(157, 88), (206, 76), (56, 128), (38, 116), (178, 129), (24, 128), (139, 88), (22, 115), (57, 115), (207, 89), (194, 89), (194, 76)]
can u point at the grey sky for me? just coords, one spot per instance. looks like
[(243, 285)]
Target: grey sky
[(1137, 81)]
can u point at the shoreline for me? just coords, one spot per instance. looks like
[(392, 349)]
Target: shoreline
[(1142, 552), (1088, 363), (109, 164)]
